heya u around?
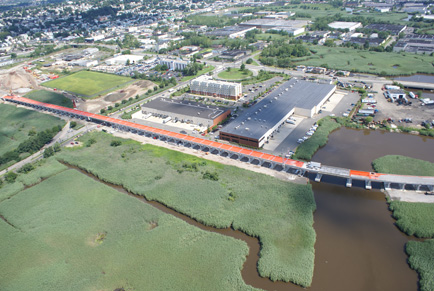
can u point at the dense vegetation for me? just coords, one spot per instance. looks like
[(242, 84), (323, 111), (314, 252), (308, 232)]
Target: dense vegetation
[(277, 212), (31, 145), (414, 218), (365, 61), (280, 54), (22, 131), (50, 97), (393, 164), (421, 259), (89, 236), (307, 149)]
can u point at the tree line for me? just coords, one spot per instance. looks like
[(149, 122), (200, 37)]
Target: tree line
[(31, 145)]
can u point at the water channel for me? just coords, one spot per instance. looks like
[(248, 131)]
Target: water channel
[(358, 246)]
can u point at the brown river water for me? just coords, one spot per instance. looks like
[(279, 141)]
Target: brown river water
[(358, 246)]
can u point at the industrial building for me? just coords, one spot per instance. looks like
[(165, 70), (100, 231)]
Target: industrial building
[(394, 29), (415, 43), (351, 26), (233, 55), (230, 32), (293, 27), (205, 85), (122, 60), (256, 125), (174, 65), (186, 111)]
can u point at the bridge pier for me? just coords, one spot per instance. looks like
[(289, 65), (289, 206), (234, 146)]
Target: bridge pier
[(430, 188), (401, 186), (368, 185), (318, 177), (387, 186), (349, 183)]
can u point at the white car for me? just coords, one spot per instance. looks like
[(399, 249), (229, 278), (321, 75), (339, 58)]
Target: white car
[(310, 133), (300, 140)]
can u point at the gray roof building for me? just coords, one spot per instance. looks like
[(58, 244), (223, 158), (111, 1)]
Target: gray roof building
[(260, 121), (206, 115)]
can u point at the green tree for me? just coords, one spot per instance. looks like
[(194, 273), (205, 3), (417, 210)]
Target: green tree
[(72, 124), (10, 177), (13, 55), (249, 61), (368, 119), (243, 67)]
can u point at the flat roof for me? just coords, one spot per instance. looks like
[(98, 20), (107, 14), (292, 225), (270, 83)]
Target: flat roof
[(188, 108), (274, 23), (228, 30), (259, 118), (344, 24)]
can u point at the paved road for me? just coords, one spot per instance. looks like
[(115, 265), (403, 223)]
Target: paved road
[(63, 137)]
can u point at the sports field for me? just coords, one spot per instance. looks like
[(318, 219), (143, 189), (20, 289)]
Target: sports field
[(367, 61), (18, 124), (88, 84), (277, 212), (70, 232), (50, 97)]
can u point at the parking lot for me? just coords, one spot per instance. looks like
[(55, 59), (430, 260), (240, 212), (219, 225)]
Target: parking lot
[(286, 139)]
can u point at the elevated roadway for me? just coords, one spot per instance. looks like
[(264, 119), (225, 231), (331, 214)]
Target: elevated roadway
[(236, 152)]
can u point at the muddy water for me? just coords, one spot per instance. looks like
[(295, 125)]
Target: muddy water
[(358, 247), (356, 149)]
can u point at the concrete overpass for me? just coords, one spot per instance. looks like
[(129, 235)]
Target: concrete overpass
[(277, 163)]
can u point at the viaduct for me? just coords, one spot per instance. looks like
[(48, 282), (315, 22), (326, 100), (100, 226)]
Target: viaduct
[(388, 181)]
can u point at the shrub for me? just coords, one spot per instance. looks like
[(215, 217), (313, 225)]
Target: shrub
[(72, 124), (26, 168), (10, 177), (115, 143)]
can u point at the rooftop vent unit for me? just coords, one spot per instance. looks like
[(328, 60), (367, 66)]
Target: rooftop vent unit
[(247, 128), (275, 98), (249, 118)]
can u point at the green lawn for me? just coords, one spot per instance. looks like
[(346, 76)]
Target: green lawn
[(368, 61), (392, 164), (16, 123), (206, 69), (70, 232), (50, 97), (88, 84), (279, 213), (235, 74), (270, 36)]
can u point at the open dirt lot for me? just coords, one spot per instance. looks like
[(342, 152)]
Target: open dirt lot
[(415, 111), (137, 88), (15, 79)]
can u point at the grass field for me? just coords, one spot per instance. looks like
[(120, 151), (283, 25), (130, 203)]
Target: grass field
[(50, 97), (88, 236), (279, 213), (88, 84), (206, 69), (367, 61), (270, 36), (307, 149), (393, 164), (235, 74), (16, 123), (421, 259)]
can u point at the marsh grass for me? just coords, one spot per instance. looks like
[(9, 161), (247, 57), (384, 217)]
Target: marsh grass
[(70, 232), (279, 213), (307, 149)]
